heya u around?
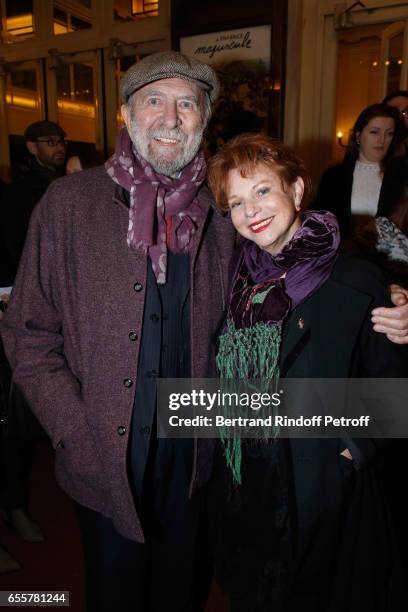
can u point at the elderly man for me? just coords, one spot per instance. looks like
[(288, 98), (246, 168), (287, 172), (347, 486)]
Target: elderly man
[(123, 279)]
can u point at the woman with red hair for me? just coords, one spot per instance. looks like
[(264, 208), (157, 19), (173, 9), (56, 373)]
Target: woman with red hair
[(298, 524)]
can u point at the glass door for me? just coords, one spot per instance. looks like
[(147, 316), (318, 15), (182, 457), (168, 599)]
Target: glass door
[(24, 104), (75, 99)]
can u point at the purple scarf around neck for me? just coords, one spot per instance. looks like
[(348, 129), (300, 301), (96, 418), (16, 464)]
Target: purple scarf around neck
[(301, 268), (156, 202)]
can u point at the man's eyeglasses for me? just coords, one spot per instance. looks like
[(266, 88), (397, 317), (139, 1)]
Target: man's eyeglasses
[(52, 142)]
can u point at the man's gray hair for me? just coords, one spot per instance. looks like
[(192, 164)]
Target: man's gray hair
[(206, 108)]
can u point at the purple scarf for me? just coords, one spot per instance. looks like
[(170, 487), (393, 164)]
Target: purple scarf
[(261, 294), (164, 213)]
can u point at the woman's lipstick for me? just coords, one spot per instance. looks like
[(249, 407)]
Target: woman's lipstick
[(259, 226)]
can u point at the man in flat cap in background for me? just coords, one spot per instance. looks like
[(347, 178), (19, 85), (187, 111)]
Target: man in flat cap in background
[(46, 145), (122, 280)]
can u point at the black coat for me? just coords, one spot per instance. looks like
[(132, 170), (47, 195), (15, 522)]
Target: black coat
[(6, 268), (334, 194), (18, 201), (342, 555), (345, 558)]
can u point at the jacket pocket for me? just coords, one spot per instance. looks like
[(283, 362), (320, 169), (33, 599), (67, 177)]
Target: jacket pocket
[(77, 455)]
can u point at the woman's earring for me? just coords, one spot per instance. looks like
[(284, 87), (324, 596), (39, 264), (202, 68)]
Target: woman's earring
[(358, 142)]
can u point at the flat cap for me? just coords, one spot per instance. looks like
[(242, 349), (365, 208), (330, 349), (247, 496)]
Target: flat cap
[(168, 65), (43, 129)]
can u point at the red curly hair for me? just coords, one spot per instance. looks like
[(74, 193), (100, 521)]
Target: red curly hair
[(248, 151)]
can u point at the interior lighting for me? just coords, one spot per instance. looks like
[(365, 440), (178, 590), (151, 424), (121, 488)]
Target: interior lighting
[(21, 101), (340, 135), (59, 28), (86, 110), (20, 24)]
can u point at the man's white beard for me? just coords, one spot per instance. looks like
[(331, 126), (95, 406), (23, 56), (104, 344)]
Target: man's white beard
[(168, 166)]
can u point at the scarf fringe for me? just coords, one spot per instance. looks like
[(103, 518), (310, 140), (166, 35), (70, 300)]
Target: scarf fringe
[(247, 353), (250, 352)]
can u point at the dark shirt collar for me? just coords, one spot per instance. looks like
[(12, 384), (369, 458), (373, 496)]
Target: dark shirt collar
[(46, 175)]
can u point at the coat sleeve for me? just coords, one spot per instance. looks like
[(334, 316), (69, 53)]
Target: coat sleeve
[(334, 195), (323, 199), (33, 335), (375, 355)]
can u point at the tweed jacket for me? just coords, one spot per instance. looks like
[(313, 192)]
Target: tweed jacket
[(73, 328)]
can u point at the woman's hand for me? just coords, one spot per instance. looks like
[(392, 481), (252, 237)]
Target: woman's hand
[(393, 321)]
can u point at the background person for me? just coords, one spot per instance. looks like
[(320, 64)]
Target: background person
[(45, 141), (300, 523), (73, 165), (83, 161), (351, 190)]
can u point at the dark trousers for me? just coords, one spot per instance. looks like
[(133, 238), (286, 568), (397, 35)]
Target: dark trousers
[(20, 433), (172, 570)]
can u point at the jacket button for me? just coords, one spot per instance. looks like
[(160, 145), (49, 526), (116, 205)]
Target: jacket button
[(132, 336), (138, 286), (144, 431), (128, 382), (151, 374), (121, 430), (154, 318)]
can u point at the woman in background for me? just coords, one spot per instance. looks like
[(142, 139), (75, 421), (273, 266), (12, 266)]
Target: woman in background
[(298, 524), (351, 190)]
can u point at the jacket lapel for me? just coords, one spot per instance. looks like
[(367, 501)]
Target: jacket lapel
[(296, 335)]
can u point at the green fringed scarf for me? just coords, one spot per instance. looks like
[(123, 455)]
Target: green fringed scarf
[(253, 352)]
